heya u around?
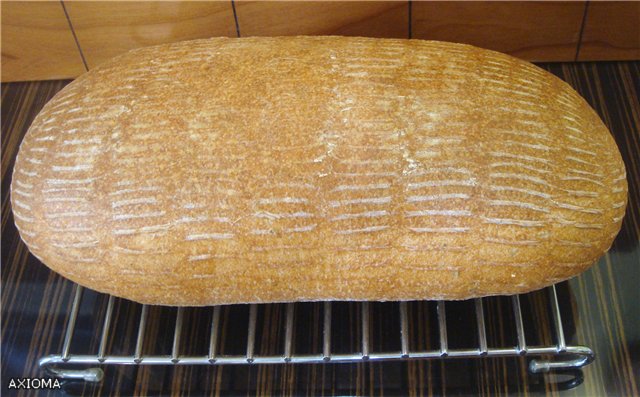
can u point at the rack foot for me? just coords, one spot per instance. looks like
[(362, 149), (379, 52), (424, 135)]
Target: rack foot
[(579, 357), (93, 375)]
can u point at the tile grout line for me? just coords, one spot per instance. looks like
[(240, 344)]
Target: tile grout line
[(409, 5), (75, 38), (584, 21), (235, 17)]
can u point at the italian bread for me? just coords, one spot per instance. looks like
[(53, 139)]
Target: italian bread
[(226, 171)]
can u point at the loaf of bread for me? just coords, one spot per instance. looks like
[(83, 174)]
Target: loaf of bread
[(317, 168)]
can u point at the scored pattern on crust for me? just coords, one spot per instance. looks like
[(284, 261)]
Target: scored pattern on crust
[(274, 169)]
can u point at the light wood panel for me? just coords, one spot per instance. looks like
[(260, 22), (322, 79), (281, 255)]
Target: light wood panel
[(537, 31), (106, 29), (611, 31), (372, 19), (37, 43)]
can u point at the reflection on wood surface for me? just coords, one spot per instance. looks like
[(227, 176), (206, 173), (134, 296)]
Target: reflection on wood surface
[(105, 30), (38, 38)]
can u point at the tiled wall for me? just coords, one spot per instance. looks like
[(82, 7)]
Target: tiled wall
[(49, 40)]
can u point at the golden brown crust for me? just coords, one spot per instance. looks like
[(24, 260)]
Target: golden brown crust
[(317, 168)]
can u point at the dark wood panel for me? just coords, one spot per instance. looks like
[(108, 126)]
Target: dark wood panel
[(601, 305), (358, 18), (537, 31), (611, 31)]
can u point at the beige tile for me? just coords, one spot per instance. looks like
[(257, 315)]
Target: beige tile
[(537, 31), (37, 43), (106, 29), (370, 19)]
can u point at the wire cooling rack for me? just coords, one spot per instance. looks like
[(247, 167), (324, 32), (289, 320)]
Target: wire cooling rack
[(543, 358)]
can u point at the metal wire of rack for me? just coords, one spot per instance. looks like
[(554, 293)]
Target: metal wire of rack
[(74, 366)]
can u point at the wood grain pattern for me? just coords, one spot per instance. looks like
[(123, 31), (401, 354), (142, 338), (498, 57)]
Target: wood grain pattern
[(537, 31), (37, 42), (611, 31), (106, 29), (370, 19), (600, 307)]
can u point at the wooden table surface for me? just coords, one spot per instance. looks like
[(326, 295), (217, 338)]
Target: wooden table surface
[(601, 306)]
